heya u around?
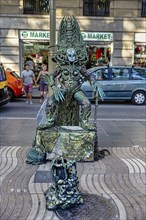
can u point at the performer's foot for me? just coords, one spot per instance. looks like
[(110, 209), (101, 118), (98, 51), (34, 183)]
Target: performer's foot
[(87, 126), (45, 126)]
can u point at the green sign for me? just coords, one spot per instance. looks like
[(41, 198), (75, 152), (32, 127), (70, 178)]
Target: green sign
[(35, 35), (87, 36)]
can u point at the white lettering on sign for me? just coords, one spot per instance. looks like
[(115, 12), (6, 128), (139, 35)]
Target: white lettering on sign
[(95, 36), (35, 35)]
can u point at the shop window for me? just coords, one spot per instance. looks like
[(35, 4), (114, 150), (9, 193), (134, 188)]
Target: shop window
[(96, 7), (37, 52), (36, 7), (140, 55), (143, 9), (138, 74), (101, 74), (98, 56)]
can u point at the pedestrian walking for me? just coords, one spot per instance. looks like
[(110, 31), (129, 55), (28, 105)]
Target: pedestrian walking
[(43, 85), (28, 77)]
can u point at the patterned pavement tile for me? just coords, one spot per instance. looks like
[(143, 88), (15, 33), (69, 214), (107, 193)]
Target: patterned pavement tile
[(119, 177)]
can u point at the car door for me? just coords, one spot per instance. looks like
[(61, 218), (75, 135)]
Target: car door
[(118, 86), (138, 80)]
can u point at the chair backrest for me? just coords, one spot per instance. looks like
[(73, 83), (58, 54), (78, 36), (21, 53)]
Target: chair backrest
[(68, 112)]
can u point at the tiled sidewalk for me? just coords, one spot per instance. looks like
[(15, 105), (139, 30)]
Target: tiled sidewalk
[(119, 177)]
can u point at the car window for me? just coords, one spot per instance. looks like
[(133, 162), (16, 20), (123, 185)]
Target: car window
[(100, 74), (119, 73), (105, 74), (138, 74), (15, 74)]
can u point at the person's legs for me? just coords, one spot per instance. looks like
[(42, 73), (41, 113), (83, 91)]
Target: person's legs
[(45, 91), (41, 92), (26, 90), (27, 98), (30, 96), (85, 110), (30, 93), (41, 96)]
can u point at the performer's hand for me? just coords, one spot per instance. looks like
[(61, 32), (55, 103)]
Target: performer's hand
[(58, 93)]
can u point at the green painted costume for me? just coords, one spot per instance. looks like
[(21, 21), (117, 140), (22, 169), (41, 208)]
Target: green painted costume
[(68, 107), (71, 57)]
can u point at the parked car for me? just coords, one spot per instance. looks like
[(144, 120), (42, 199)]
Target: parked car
[(119, 83), (4, 97), (15, 84)]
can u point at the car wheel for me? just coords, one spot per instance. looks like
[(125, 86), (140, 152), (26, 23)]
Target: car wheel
[(139, 98), (11, 94)]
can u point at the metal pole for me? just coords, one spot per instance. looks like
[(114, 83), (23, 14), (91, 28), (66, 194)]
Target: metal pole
[(51, 64), (52, 34)]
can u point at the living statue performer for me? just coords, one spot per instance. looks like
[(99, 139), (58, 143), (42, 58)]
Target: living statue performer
[(68, 108), (70, 72)]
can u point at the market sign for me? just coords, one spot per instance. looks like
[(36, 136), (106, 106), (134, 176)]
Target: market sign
[(35, 35), (97, 36), (87, 36)]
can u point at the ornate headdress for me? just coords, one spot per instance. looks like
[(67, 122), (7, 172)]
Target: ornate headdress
[(69, 36)]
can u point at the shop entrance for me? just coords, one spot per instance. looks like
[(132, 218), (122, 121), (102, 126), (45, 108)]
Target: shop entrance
[(37, 53), (98, 55)]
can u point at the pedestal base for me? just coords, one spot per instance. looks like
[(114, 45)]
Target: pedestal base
[(71, 142)]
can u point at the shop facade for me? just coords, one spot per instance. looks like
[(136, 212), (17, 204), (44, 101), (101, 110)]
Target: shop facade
[(109, 46), (99, 48), (140, 49), (115, 39), (34, 45)]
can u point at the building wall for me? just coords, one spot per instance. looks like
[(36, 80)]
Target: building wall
[(123, 8), (9, 6), (124, 22), (71, 7)]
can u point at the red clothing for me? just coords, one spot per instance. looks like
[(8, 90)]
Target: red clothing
[(98, 53)]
